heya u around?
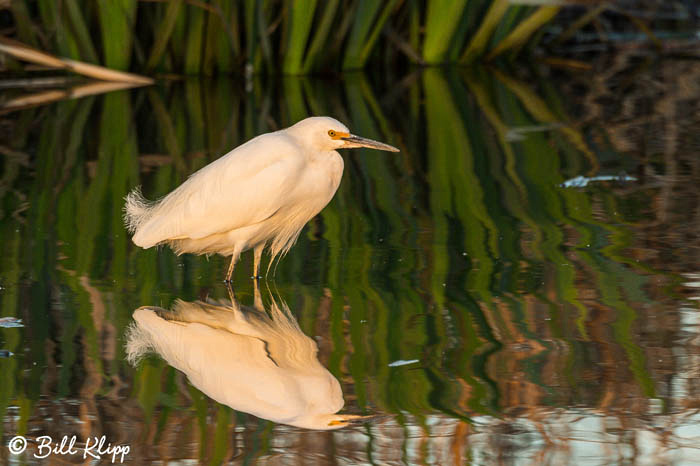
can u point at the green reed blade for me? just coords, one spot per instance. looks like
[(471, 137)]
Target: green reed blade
[(166, 130), (295, 108), (300, 14), (222, 435), (520, 35), (480, 41), (80, 31), (195, 40), (537, 154), (539, 109), (23, 22), (148, 386), (460, 193), (465, 26), (174, 57), (265, 45), (582, 21), (163, 32), (196, 138), (414, 27), (320, 36), (213, 31), (513, 16), (54, 23), (117, 19), (69, 202), (376, 30), (368, 21), (228, 44), (250, 23), (443, 18)]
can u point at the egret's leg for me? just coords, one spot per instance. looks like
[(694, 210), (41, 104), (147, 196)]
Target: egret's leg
[(229, 274), (234, 258), (258, 302), (230, 294), (256, 260)]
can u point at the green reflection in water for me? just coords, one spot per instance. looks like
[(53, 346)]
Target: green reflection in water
[(462, 251)]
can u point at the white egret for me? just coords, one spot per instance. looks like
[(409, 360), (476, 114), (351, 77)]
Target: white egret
[(260, 194), (244, 358)]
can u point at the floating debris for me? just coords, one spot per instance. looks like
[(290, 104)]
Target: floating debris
[(403, 362), (519, 133), (9, 322), (6, 353), (582, 181)]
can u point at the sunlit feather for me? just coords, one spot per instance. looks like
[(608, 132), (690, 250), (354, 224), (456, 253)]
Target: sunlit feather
[(260, 194)]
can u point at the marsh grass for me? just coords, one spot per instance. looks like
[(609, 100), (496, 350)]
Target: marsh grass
[(288, 36)]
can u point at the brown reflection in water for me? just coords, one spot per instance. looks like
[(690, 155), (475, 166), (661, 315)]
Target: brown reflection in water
[(650, 111), (616, 423)]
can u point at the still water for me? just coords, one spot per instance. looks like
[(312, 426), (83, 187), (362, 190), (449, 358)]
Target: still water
[(519, 285)]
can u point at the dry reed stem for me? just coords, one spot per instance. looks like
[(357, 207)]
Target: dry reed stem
[(23, 52)]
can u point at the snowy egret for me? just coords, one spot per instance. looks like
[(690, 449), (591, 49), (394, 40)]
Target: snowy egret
[(254, 361), (260, 194)]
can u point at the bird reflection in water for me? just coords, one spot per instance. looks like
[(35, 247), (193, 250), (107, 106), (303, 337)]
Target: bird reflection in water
[(252, 359)]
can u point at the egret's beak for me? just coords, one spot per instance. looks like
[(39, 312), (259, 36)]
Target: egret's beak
[(357, 141), (347, 419)]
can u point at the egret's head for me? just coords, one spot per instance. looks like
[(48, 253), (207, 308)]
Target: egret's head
[(326, 134)]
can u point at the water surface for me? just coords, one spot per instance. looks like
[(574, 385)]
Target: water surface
[(480, 307)]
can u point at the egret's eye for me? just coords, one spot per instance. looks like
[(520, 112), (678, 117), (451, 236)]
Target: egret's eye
[(331, 133)]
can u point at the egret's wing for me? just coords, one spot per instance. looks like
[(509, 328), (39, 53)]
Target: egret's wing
[(232, 369), (242, 188)]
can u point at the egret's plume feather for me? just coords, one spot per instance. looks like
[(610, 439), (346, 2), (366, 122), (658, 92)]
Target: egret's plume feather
[(138, 343), (137, 209)]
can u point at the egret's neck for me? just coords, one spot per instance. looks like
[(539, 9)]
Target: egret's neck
[(324, 157)]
